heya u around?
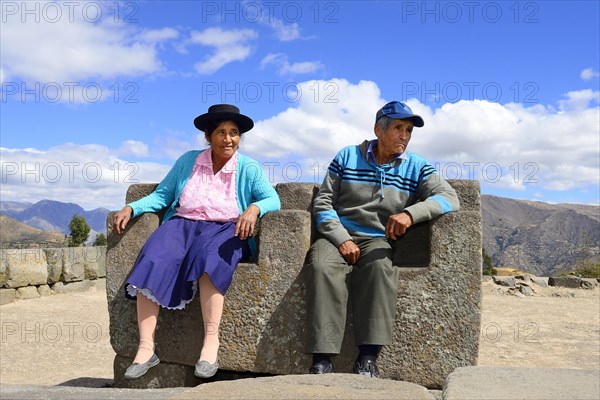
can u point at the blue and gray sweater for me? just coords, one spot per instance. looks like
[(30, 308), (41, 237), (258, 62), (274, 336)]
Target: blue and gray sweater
[(358, 195)]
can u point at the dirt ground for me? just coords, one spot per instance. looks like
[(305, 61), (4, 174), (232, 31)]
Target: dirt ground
[(554, 328), (64, 339)]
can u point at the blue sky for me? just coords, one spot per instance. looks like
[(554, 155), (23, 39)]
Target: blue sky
[(98, 95)]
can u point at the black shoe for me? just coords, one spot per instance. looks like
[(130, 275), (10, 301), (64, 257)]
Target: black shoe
[(321, 367), (366, 367)]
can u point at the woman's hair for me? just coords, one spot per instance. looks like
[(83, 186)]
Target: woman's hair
[(384, 122), (212, 125)]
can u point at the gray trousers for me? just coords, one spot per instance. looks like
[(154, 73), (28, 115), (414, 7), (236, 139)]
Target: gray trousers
[(372, 285)]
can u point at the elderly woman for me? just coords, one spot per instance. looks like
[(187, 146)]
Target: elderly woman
[(213, 199)]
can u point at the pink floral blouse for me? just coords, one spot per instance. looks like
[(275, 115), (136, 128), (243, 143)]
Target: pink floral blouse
[(208, 196)]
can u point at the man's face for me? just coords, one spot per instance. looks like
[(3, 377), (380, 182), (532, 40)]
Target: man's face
[(395, 138)]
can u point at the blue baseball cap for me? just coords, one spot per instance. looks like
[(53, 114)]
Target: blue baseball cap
[(399, 110)]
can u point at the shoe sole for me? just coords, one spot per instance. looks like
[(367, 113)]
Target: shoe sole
[(208, 374), (329, 370), (372, 372)]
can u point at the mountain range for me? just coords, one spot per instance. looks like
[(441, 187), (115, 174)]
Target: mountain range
[(535, 237), (50, 215), (540, 238), (19, 235)]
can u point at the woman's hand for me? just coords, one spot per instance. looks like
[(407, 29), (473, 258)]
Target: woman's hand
[(122, 218), (350, 251), (244, 227)]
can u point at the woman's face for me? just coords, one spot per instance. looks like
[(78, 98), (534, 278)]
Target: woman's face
[(224, 140)]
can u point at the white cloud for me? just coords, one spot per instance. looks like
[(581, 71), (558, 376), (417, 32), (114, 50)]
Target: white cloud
[(272, 58), (229, 46), (580, 99), (89, 175), (264, 14), (134, 148), (219, 38), (157, 35), (534, 146), (284, 67), (285, 33), (73, 49), (504, 146), (328, 116), (528, 149), (175, 143), (589, 74)]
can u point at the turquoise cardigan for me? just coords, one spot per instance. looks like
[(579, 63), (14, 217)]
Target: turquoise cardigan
[(252, 187)]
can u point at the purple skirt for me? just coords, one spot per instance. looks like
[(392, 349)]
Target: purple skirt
[(178, 253)]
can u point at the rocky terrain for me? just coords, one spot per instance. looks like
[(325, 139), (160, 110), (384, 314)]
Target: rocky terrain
[(15, 233), (540, 238)]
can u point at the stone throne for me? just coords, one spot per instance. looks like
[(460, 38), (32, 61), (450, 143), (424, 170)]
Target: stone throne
[(262, 331)]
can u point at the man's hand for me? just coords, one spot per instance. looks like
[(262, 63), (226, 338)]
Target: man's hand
[(122, 218), (397, 225), (246, 222), (350, 251)]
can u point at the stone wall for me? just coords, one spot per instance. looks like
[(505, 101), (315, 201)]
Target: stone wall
[(30, 273)]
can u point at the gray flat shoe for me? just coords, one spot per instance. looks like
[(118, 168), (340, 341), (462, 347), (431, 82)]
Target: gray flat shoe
[(136, 370), (206, 370)]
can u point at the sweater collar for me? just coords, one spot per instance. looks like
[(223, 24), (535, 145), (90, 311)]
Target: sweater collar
[(371, 154)]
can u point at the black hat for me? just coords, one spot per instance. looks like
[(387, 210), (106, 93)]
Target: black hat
[(224, 112)]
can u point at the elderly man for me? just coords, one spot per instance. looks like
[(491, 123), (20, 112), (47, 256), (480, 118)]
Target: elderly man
[(371, 195)]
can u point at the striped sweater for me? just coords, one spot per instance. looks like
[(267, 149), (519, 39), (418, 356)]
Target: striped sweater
[(358, 195)]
